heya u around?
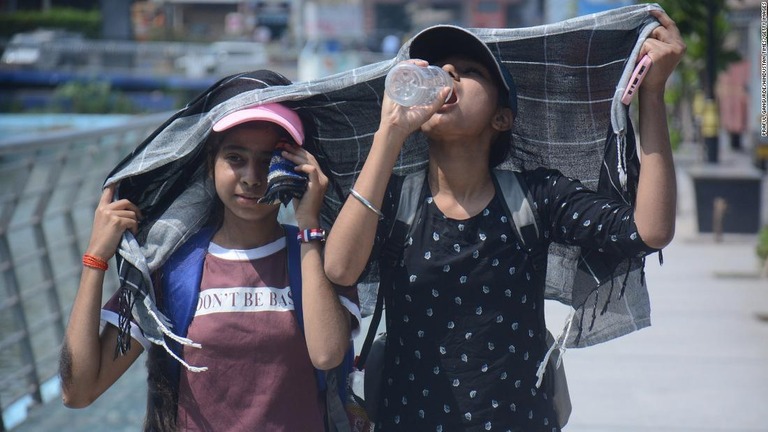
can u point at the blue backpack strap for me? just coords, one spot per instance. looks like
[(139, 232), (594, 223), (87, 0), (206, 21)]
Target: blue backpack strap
[(181, 275), (294, 270), (294, 280), (332, 382)]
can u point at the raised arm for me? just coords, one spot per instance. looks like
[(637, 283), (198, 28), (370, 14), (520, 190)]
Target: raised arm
[(351, 239), (88, 366), (657, 189), (327, 322)]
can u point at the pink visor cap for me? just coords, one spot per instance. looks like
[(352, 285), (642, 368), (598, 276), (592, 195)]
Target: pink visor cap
[(274, 113)]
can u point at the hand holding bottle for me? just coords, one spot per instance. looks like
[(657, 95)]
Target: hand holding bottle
[(410, 85)]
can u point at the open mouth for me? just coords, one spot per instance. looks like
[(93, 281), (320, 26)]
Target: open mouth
[(452, 98)]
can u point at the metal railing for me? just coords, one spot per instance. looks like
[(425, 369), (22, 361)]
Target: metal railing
[(49, 188)]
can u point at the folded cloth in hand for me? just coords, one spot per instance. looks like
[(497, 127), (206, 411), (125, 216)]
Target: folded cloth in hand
[(283, 183)]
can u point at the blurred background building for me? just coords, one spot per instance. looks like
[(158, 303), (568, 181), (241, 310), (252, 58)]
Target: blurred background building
[(322, 27), (159, 52)]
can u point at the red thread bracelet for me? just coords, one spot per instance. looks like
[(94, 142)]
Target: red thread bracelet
[(95, 262)]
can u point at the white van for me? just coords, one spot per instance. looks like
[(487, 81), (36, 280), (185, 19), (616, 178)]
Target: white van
[(28, 50)]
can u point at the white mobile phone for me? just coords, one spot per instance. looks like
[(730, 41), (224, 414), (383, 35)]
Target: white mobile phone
[(637, 77)]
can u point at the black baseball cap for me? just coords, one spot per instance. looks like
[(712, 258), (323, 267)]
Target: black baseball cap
[(441, 41)]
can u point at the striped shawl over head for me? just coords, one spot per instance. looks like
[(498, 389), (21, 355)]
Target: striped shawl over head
[(570, 77)]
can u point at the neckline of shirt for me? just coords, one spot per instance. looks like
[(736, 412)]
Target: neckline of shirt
[(246, 254)]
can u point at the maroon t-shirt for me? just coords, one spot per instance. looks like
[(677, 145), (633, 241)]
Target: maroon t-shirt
[(259, 373)]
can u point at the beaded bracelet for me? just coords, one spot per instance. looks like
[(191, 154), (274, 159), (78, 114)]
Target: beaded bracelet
[(309, 235), (366, 203), (95, 262)]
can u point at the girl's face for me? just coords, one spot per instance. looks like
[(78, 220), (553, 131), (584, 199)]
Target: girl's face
[(474, 105), (240, 169)]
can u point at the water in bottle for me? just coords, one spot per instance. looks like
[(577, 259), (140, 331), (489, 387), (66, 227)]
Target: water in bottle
[(409, 85)]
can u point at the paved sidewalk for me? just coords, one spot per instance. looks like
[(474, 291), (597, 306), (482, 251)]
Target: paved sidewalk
[(702, 366), (120, 409)]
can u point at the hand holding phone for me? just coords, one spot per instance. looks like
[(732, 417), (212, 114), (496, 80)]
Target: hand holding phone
[(637, 77)]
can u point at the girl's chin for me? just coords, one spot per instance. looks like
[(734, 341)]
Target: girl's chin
[(250, 205), (256, 212)]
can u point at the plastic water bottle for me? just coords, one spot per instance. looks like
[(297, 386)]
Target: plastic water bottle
[(409, 85)]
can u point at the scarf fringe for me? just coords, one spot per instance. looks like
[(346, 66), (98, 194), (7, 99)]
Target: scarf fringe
[(594, 308), (162, 326), (558, 344), (189, 367), (626, 278), (621, 162), (167, 332), (608, 300), (605, 306), (126, 300)]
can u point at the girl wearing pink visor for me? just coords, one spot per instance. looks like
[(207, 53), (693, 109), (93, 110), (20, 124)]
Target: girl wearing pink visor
[(253, 316)]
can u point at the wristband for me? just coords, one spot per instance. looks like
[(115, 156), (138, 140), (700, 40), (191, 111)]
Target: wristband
[(95, 262), (309, 235)]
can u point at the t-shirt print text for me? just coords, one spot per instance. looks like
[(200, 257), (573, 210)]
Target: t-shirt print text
[(244, 299)]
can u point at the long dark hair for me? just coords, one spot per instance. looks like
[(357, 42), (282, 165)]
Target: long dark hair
[(162, 369), (162, 394), (502, 146), (500, 149)]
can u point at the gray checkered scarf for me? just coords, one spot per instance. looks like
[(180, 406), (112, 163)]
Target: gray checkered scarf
[(570, 77)]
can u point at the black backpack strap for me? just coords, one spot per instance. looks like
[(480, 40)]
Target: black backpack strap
[(374, 324), (409, 202), (410, 197), (408, 206), (522, 216)]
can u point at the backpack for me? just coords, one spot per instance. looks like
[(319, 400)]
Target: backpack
[(182, 276), (525, 224), (520, 213)]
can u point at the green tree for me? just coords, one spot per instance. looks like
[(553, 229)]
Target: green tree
[(762, 249), (692, 20), (93, 97), (694, 73), (86, 22)]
